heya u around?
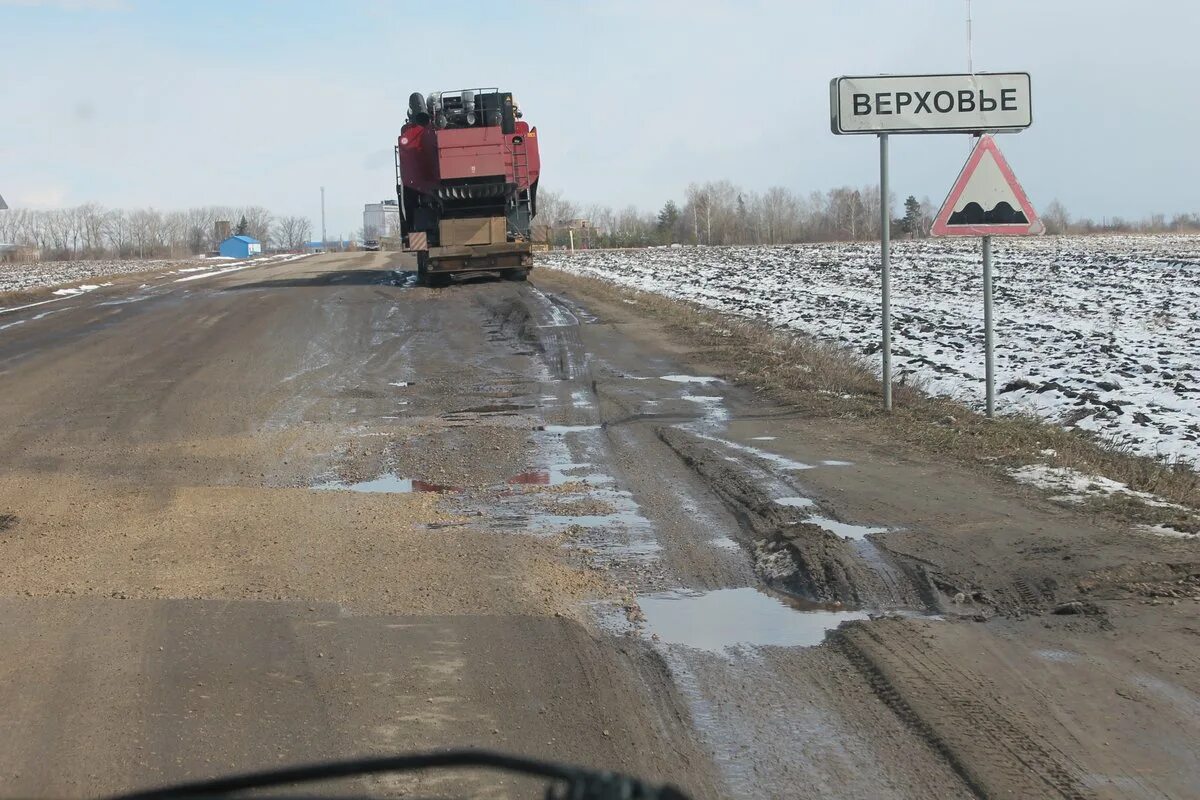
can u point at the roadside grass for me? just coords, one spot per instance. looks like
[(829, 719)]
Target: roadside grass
[(24, 296), (823, 379)]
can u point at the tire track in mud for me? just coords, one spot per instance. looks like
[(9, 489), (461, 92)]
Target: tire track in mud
[(996, 750)]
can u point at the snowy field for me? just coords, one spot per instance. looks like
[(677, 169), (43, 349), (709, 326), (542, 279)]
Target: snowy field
[(42, 275), (1098, 333)]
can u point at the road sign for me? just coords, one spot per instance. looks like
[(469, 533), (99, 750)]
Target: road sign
[(986, 200), (3, 205), (984, 101)]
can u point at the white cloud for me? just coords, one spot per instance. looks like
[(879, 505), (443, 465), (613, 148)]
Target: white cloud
[(40, 197)]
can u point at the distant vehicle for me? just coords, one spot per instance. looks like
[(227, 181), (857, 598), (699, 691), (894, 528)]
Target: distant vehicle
[(370, 244), (467, 173)]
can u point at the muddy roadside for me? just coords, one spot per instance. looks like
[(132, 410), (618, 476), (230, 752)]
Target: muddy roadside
[(1054, 648)]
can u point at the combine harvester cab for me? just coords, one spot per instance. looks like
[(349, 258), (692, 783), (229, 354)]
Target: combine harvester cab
[(466, 177)]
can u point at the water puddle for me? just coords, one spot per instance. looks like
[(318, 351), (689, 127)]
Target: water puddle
[(562, 429), (732, 618), (783, 462), (121, 301), (401, 384), (795, 502), (844, 529), (762, 438), (557, 475), (724, 543), (386, 484), (715, 413), (581, 398), (690, 379), (832, 462)]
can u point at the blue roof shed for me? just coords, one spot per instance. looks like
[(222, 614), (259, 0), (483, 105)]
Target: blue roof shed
[(240, 247)]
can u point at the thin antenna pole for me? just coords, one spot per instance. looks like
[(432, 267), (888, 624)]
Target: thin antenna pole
[(970, 61), (324, 238)]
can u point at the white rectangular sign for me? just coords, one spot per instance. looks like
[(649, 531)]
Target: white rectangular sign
[(985, 101)]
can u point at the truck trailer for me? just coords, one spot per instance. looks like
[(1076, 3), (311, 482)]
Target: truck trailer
[(467, 171)]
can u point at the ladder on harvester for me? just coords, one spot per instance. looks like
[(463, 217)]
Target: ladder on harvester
[(520, 162), (520, 173)]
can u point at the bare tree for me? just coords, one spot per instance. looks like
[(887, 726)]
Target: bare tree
[(290, 233), (1056, 218)]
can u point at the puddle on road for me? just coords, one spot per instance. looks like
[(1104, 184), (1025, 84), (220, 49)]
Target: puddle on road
[(690, 379), (833, 462), (782, 462), (724, 543), (844, 529), (762, 438), (562, 429), (732, 618), (581, 398), (386, 484), (559, 474), (401, 384), (795, 502)]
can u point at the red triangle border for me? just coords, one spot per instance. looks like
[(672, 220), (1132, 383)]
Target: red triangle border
[(987, 144)]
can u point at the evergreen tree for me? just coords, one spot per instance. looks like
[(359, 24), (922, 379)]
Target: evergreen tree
[(668, 216), (242, 226), (912, 216)]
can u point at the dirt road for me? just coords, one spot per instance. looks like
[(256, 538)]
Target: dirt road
[(308, 510)]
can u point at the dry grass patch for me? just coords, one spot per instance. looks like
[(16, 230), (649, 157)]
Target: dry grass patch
[(823, 379), (22, 297)]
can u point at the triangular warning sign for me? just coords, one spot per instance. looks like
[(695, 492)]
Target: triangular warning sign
[(986, 199)]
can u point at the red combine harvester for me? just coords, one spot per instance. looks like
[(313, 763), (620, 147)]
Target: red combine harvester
[(466, 176)]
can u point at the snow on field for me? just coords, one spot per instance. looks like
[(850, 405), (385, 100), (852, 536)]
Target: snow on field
[(229, 265), (44, 274), (1075, 487), (1101, 333)]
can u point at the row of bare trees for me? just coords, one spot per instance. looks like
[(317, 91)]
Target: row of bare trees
[(720, 212), (1059, 220), (92, 231)]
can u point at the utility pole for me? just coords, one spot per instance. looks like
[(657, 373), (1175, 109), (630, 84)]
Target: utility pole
[(324, 239)]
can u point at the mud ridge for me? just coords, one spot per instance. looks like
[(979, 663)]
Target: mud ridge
[(818, 565)]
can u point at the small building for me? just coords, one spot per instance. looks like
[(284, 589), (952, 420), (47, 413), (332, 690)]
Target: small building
[(381, 220), (240, 247)]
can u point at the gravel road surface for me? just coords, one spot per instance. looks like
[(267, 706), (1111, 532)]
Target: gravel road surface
[(307, 509)]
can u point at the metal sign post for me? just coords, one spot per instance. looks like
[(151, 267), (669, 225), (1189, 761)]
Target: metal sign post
[(951, 103), (987, 201), (885, 269), (989, 343)]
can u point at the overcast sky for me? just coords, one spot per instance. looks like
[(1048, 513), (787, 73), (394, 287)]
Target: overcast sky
[(172, 104)]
